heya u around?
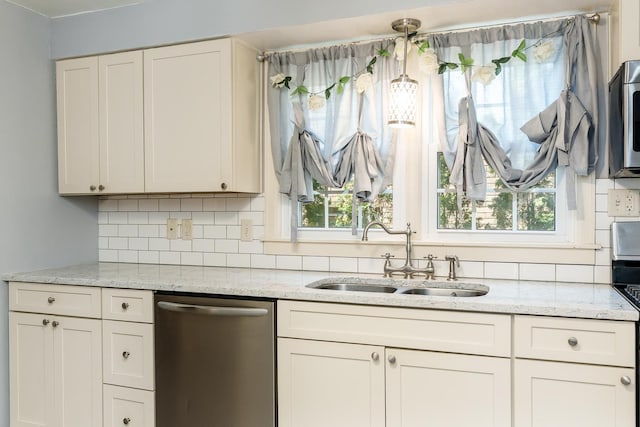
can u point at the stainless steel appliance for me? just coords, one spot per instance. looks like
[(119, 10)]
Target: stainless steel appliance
[(624, 121), (215, 362), (625, 275)]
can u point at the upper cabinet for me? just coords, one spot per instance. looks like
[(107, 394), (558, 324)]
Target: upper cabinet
[(201, 118), (625, 32), (100, 124), (181, 118)]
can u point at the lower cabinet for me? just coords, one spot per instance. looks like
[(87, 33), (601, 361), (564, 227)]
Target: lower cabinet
[(337, 384), (549, 394), (56, 370)]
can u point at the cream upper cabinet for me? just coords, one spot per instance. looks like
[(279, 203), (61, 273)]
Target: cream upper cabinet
[(625, 32), (56, 375), (201, 118), (100, 124)]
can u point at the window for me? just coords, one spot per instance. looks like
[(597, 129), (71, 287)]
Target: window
[(332, 209)]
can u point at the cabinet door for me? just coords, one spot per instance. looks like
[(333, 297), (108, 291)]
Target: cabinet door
[(324, 384), (128, 406), (555, 394), (78, 134), (188, 117), (447, 390), (121, 123), (77, 371), (31, 373)]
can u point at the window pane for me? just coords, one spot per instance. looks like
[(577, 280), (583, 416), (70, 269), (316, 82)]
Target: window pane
[(496, 213), (536, 211), (312, 214), (448, 215), (549, 181), (340, 210), (380, 209), (443, 172)]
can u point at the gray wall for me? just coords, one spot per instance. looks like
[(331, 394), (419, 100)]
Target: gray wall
[(38, 229), (158, 22)]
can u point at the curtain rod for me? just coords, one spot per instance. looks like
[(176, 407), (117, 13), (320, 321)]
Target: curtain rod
[(594, 18)]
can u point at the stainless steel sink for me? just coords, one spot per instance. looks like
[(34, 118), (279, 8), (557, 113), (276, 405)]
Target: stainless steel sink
[(354, 287), (403, 287), (445, 292)]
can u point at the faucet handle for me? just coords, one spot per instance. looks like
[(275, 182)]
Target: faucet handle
[(430, 257), (387, 255)]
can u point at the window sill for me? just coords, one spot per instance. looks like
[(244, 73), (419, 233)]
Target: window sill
[(531, 253)]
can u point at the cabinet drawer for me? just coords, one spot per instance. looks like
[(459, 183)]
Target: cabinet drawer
[(128, 354), (458, 332), (127, 304), (78, 301), (575, 340), (127, 406)]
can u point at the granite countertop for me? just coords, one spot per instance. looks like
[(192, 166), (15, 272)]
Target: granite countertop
[(593, 301)]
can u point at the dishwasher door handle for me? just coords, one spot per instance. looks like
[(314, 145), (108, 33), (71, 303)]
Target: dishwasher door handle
[(213, 310)]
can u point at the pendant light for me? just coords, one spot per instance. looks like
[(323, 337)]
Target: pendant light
[(404, 90)]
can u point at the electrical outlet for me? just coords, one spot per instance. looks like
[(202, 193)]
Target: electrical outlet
[(246, 234), (172, 229), (623, 203), (186, 229)]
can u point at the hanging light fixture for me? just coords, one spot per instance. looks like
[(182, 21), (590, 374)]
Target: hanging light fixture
[(404, 90)]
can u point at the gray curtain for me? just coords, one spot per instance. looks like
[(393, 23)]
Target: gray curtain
[(346, 139), (565, 131)]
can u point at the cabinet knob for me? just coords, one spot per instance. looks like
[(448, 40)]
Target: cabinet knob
[(92, 187), (375, 356), (125, 305), (45, 322), (126, 421), (125, 354), (573, 341), (55, 323), (100, 187), (391, 359), (223, 185), (625, 380), (51, 300)]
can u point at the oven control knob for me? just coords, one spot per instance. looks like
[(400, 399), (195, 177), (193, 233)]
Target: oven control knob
[(573, 341), (625, 380)]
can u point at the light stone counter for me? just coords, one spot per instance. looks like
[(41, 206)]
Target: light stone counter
[(538, 298)]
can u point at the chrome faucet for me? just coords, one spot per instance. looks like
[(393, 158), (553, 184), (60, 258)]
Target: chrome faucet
[(408, 269)]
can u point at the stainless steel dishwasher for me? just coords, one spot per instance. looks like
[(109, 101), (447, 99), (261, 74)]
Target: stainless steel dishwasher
[(215, 362)]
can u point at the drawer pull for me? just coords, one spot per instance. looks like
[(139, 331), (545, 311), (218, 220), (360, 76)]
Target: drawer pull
[(392, 359), (55, 323), (375, 356), (45, 322), (126, 421), (51, 300), (573, 341), (125, 354), (125, 305), (625, 380)]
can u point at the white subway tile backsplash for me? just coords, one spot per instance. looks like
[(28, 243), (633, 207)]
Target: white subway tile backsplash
[(315, 263), (133, 229), (601, 203), (289, 262), (171, 205), (149, 257), (263, 261), (170, 258), (501, 270), (239, 260), (540, 272), (575, 273), (148, 205), (603, 185), (191, 258), (128, 205)]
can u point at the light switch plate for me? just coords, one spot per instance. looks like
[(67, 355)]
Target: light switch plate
[(172, 229), (246, 234), (623, 203), (186, 229)]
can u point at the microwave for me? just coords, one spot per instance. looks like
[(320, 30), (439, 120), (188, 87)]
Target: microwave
[(624, 121)]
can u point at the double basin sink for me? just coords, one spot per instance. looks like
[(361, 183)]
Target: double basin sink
[(404, 287)]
